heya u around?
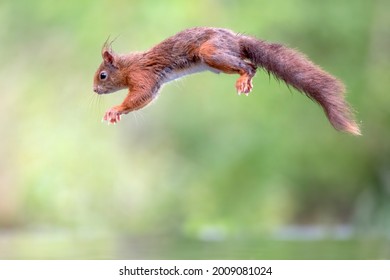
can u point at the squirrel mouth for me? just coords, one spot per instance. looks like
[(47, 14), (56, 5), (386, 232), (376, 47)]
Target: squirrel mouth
[(99, 90)]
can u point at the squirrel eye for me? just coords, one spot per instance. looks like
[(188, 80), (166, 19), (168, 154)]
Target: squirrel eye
[(103, 75)]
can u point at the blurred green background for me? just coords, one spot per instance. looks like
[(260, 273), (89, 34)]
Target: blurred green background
[(202, 173)]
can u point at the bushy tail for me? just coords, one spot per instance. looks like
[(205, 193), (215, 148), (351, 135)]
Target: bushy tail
[(297, 70)]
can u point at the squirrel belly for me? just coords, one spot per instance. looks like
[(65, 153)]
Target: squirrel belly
[(171, 75), (217, 50)]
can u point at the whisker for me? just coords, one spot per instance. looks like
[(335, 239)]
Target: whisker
[(138, 117), (94, 105), (135, 118)]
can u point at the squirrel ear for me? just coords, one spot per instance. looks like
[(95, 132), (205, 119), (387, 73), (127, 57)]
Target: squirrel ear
[(108, 57)]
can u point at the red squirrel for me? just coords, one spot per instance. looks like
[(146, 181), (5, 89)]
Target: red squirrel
[(218, 50)]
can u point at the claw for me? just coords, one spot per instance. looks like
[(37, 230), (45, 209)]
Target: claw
[(112, 116)]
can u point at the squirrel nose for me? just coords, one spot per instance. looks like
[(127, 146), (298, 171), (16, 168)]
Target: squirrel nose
[(95, 89)]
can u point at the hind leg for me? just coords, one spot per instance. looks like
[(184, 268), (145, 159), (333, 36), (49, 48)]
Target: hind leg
[(228, 62)]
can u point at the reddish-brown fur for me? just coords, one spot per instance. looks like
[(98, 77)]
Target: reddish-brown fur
[(218, 50)]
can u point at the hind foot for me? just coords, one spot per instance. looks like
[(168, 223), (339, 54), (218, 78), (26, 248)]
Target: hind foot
[(244, 85)]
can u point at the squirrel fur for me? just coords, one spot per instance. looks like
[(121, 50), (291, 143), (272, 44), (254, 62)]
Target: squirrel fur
[(219, 50)]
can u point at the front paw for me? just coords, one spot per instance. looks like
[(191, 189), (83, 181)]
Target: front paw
[(113, 115)]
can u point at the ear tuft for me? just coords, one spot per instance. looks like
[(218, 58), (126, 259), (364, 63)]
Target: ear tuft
[(108, 55)]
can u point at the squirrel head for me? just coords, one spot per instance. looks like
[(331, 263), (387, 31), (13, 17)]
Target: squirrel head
[(109, 77)]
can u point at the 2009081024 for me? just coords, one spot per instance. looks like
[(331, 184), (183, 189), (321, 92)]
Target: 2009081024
[(242, 271)]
